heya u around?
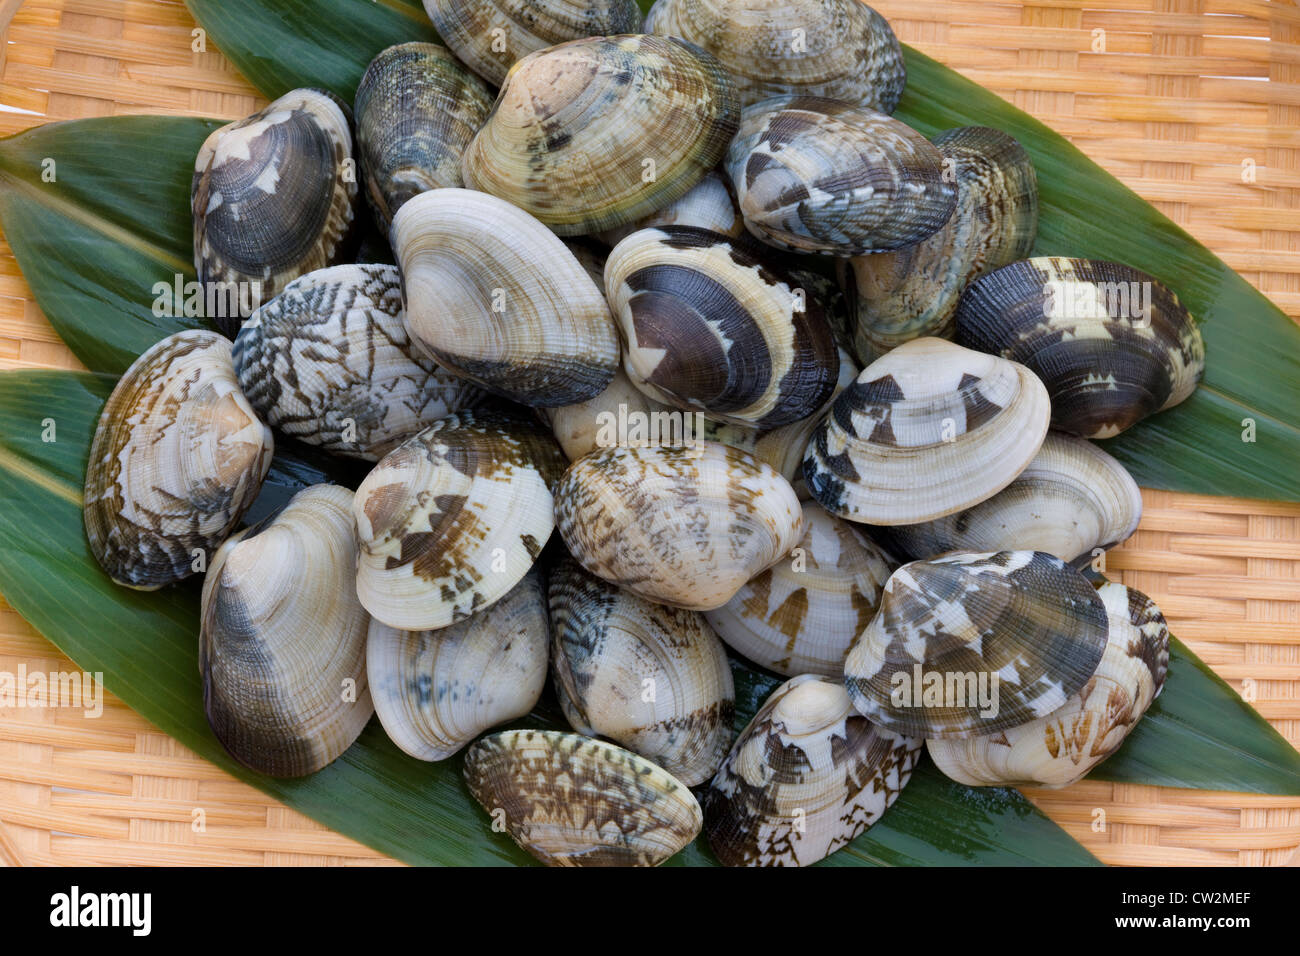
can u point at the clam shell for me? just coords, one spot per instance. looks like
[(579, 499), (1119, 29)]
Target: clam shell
[(1061, 748), (283, 637), (1071, 501), (491, 35), (493, 296), (177, 458), (842, 49), (817, 175), (927, 430), (452, 519), (328, 362), (709, 325), (651, 678), (709, 205), (913, 292), (573, 801), (683, 526), (597, 133), (417, 110), (969, 644), (273, 197), (806, 777), (1112, 344), (801, 615), (435, 691)]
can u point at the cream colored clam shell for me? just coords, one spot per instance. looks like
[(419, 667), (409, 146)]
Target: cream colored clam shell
[(707, 206)]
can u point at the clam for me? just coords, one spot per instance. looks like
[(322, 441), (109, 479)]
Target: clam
[(328, 362), (710, 325), (177, 458), (273, 198), (597, 133), (451, 520), (651, 678), (435, 691), (801, 615), (685, 526), (913, 292), (1061, 748), (1112, 344), (927, 430), (573, 801), (491, 35), (709, 205), (1072, 501), (417, 110), (969, 644), (837, 48), (806, 777), (493, 296), (282, 645), (818, 175)]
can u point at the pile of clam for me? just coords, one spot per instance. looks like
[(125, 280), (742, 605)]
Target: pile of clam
[(779, 369)]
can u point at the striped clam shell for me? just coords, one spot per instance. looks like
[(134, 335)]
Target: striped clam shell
[(1073, 501), (491, 35), (273, 196), (328, 362), (1112, 344), (806, 777), (913, 292), (282, 641), (693, 523), (842, 49), (492, 295), (927, 430), (417, 110), (970, 644), (710, 325), (452, 519), (818, 175), (651, 678), (801, 615), (177, 458), (570, 800), (595, 134), (1061, 748), (435, 691)]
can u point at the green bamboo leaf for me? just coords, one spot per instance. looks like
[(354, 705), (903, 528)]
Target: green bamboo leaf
[(146, 647)]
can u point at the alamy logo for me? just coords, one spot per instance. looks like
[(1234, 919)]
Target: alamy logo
[(919, 688), (37, 689), (74, 908), (631, 428), (1130, 301)]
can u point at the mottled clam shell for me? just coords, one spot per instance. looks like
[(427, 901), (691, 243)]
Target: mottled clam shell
[(651, 678), (491, 35), (452, 519), (801, 615), (178, 457), (684, 526), (282, 644), (709, 205), (806, 777), (1063, 747), (928, 430), (971, 644), (1071, 501), (417, 110), (328, 362), (570, 800), (597, 133), (842, 49), (435, 691), (913, 292), (818, 175), (710, 325), (1112, 344), (274, 197), (494, 296)]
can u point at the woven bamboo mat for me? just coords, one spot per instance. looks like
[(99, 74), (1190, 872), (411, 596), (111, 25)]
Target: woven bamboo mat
[(1172, 96)]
